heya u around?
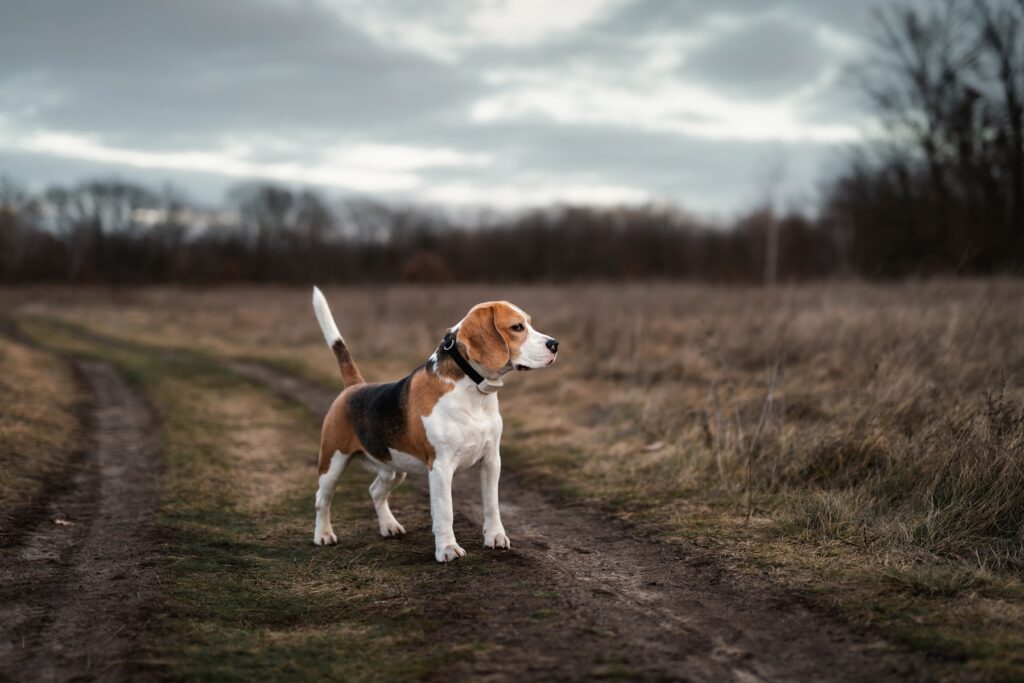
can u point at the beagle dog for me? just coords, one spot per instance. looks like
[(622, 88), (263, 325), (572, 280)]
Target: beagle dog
[(439, 419)]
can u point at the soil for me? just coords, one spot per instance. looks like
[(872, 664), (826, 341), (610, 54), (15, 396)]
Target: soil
[(78, 576), (583, 595)]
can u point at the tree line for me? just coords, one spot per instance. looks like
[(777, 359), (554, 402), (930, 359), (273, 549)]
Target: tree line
[(120, 232), (939, 191)]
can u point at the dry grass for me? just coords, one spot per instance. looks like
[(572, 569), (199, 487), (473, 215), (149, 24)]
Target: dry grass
[(896, 410), (261, 443), (844, 433), (38, 425), (242, 595)]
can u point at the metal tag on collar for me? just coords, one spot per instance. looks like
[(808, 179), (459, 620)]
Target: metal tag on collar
[(490, 386)]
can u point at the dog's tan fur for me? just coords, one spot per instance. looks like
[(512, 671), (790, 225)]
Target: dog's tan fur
[(486, 338), (485, 332)]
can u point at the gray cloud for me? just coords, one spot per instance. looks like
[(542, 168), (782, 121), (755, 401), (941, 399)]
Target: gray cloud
[(656, 15), (39, 171), (157, 74), (766, 58), (192, 74)]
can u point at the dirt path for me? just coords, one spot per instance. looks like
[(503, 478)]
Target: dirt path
[(615, 604), (74, 592)]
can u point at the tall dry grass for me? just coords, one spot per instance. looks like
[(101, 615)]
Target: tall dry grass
[(39, 430), (886, 417)]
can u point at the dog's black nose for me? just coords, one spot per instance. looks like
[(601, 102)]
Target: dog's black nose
[(552, 344)]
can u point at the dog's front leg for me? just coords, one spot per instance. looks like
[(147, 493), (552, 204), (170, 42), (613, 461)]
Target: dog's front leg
[(494, 531), (445, 547)]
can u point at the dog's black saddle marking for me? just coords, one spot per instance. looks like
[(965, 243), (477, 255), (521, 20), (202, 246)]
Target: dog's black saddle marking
[(377, 413)]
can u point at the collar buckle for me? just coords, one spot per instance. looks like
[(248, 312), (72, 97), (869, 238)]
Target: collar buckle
[(489, 386)]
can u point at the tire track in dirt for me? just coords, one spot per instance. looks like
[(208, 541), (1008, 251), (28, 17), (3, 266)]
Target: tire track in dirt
[(616, 604), (74, 594)]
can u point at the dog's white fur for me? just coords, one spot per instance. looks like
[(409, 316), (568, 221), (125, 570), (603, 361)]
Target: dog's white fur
[(464, 428), (324, 317)]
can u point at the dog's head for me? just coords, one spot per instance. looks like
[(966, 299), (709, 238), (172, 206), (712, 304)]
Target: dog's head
[(499, 337)]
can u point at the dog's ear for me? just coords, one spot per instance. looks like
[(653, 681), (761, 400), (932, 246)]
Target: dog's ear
[(484, 344)]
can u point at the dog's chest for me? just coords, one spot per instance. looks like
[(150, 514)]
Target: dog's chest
[(464, 426)]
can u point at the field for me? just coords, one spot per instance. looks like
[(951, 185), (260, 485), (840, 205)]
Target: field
[(847, 451)]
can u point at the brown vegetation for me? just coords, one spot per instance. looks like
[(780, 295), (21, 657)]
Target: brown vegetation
[(38, 427), (851, 412), (865, 440)]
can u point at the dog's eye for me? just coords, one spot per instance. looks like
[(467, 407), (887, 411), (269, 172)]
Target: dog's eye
[(518, 327)]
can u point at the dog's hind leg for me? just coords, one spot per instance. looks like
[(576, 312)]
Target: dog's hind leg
[(323, 533), (380, 489)]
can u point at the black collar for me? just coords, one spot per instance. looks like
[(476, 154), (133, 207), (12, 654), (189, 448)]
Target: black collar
[(450, 348)]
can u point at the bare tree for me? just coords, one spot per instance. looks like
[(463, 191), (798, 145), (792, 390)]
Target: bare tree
[(19, 218), (945, 191), (1000, 29)]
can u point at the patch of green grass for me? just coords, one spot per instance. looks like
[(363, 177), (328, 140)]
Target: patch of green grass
[(946, 614), (613, 667)]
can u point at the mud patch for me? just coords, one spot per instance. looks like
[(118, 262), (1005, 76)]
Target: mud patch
[(583, 595), (76, 583)]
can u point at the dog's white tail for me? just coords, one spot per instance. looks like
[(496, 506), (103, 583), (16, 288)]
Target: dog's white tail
[(349, 372), (324, 317)]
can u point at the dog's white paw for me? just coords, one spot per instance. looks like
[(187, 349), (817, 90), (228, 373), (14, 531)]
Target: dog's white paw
[(449, 553), (324, 537), (497, 540), (391, 528)]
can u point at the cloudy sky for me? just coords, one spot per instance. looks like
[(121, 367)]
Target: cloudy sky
[(506, 103)]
